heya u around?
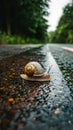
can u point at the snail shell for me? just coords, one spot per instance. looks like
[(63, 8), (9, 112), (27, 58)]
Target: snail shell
[(33, 69)]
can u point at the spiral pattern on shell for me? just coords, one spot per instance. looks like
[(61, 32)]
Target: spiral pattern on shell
[(33, 69)]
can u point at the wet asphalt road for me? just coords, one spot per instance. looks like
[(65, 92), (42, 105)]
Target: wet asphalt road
[(64, 59), (47, 105), (11, 50)]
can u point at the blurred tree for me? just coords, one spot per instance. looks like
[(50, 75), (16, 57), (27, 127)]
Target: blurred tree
[(25, 17), (64, 31), (7, 14)]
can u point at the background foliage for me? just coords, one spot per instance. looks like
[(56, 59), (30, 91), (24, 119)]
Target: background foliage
[(23, 21), (64, 31), (24, 18)]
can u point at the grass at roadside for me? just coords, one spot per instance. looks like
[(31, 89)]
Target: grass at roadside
[(16, 39)]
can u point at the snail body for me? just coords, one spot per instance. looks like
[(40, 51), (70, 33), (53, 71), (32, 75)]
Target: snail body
[(33, 69)]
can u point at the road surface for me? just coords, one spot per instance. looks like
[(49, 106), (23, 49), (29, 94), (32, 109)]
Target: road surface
[(36, 105)]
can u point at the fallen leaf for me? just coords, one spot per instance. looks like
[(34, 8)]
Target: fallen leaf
[(10, 99)]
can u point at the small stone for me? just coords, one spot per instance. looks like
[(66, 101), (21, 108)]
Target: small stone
[(10, 99), (69, 122), (57, 111)]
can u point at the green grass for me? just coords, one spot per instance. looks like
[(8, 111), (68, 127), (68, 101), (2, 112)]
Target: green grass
[(16, 39)]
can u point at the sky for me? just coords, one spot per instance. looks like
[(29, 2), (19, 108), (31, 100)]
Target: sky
[(56, 10)]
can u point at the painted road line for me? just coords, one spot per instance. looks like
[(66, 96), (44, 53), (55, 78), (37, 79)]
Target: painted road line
[(57, 83), (67, 48)]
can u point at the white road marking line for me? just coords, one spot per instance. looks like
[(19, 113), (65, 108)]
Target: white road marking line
[(67, 48)]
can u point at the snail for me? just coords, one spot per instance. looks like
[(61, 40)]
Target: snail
[(34, 71)]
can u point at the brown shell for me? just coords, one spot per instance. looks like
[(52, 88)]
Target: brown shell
[(33, 69)]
